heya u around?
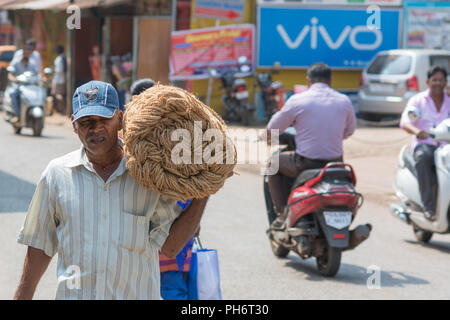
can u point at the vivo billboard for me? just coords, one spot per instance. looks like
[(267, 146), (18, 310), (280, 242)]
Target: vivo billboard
[(342, 38)]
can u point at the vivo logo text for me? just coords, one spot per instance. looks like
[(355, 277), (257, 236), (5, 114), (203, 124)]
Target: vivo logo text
[(316, 30)]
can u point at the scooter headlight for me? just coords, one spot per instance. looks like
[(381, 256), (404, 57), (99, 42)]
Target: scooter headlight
[(37, 112)]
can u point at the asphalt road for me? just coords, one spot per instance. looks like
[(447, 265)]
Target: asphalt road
[(235, 224)]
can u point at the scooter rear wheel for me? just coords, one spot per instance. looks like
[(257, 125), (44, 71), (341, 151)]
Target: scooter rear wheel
[(329, 263), (422, 235)]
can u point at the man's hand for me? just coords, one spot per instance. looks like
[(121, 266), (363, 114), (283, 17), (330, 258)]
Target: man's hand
[(422, 135), (11, 77), (412, 129)]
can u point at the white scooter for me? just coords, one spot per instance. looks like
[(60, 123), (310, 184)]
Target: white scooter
[(33, 100), (407, 188)]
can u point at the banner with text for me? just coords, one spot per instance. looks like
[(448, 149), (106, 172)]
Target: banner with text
[(296, 37), (194, 53), (427, 25)]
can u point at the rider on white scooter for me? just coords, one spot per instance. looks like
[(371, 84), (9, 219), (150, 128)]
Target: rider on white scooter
[(17, 68), (322, 118), (424, 111)]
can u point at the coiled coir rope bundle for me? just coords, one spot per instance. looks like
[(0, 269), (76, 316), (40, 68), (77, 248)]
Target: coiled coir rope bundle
[(164, 129)]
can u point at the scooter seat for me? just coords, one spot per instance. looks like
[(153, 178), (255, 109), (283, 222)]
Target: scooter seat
[(330, 174), (410, 163)]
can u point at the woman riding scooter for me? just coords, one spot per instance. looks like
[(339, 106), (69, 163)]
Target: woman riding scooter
[(424, 111)]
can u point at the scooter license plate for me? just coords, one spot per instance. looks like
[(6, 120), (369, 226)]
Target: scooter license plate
[(338, 219), (242, 95)]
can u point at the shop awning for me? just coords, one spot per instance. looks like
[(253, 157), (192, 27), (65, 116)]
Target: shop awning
[(5, 2), (55, 4)]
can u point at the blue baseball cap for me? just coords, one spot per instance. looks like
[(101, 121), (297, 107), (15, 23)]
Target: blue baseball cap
[(95, 98)]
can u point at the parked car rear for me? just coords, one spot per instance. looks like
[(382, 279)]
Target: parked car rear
[(394, 76)]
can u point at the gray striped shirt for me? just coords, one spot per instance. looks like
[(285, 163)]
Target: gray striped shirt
[(107, 234)]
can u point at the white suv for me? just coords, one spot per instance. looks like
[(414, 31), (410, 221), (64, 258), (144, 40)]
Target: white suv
[(394, 76)]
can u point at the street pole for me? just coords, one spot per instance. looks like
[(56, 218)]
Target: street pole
[(70, 84)]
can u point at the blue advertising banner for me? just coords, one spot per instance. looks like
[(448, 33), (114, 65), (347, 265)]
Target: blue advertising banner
[(342, 38)]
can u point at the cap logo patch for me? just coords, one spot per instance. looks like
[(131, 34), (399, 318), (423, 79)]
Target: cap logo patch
[(91, 95)]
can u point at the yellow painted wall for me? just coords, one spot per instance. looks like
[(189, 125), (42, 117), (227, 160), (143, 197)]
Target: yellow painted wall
[(342, 79)]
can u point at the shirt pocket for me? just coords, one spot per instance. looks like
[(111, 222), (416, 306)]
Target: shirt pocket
[(135, 236), (135, 200)]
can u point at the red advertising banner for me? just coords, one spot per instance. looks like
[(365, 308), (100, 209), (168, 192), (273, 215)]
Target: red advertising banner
[(195, 52)]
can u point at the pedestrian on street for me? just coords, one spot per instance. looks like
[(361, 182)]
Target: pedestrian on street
[(105, 227), (423, 111), (59, 80)]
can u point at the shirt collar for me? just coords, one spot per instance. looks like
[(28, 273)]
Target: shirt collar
[(446, 96), (444, 102), (79, 158), (319, 85)]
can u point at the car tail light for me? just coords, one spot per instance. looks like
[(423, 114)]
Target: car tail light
[(412, 84), (361, 81), (339, 236), (241, 88)]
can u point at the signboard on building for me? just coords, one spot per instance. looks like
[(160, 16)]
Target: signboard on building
[(195, 52), (296, 37), (357, 2), (427, 25), (220, 9)]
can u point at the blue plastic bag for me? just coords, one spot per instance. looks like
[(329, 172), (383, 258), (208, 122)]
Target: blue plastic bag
[(192, 279)]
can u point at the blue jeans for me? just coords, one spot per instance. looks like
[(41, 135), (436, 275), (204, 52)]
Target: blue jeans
[(15, 100), (174, 285)]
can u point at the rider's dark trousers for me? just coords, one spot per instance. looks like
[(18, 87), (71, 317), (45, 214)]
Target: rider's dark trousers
[(426, 175), (291, 165)]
